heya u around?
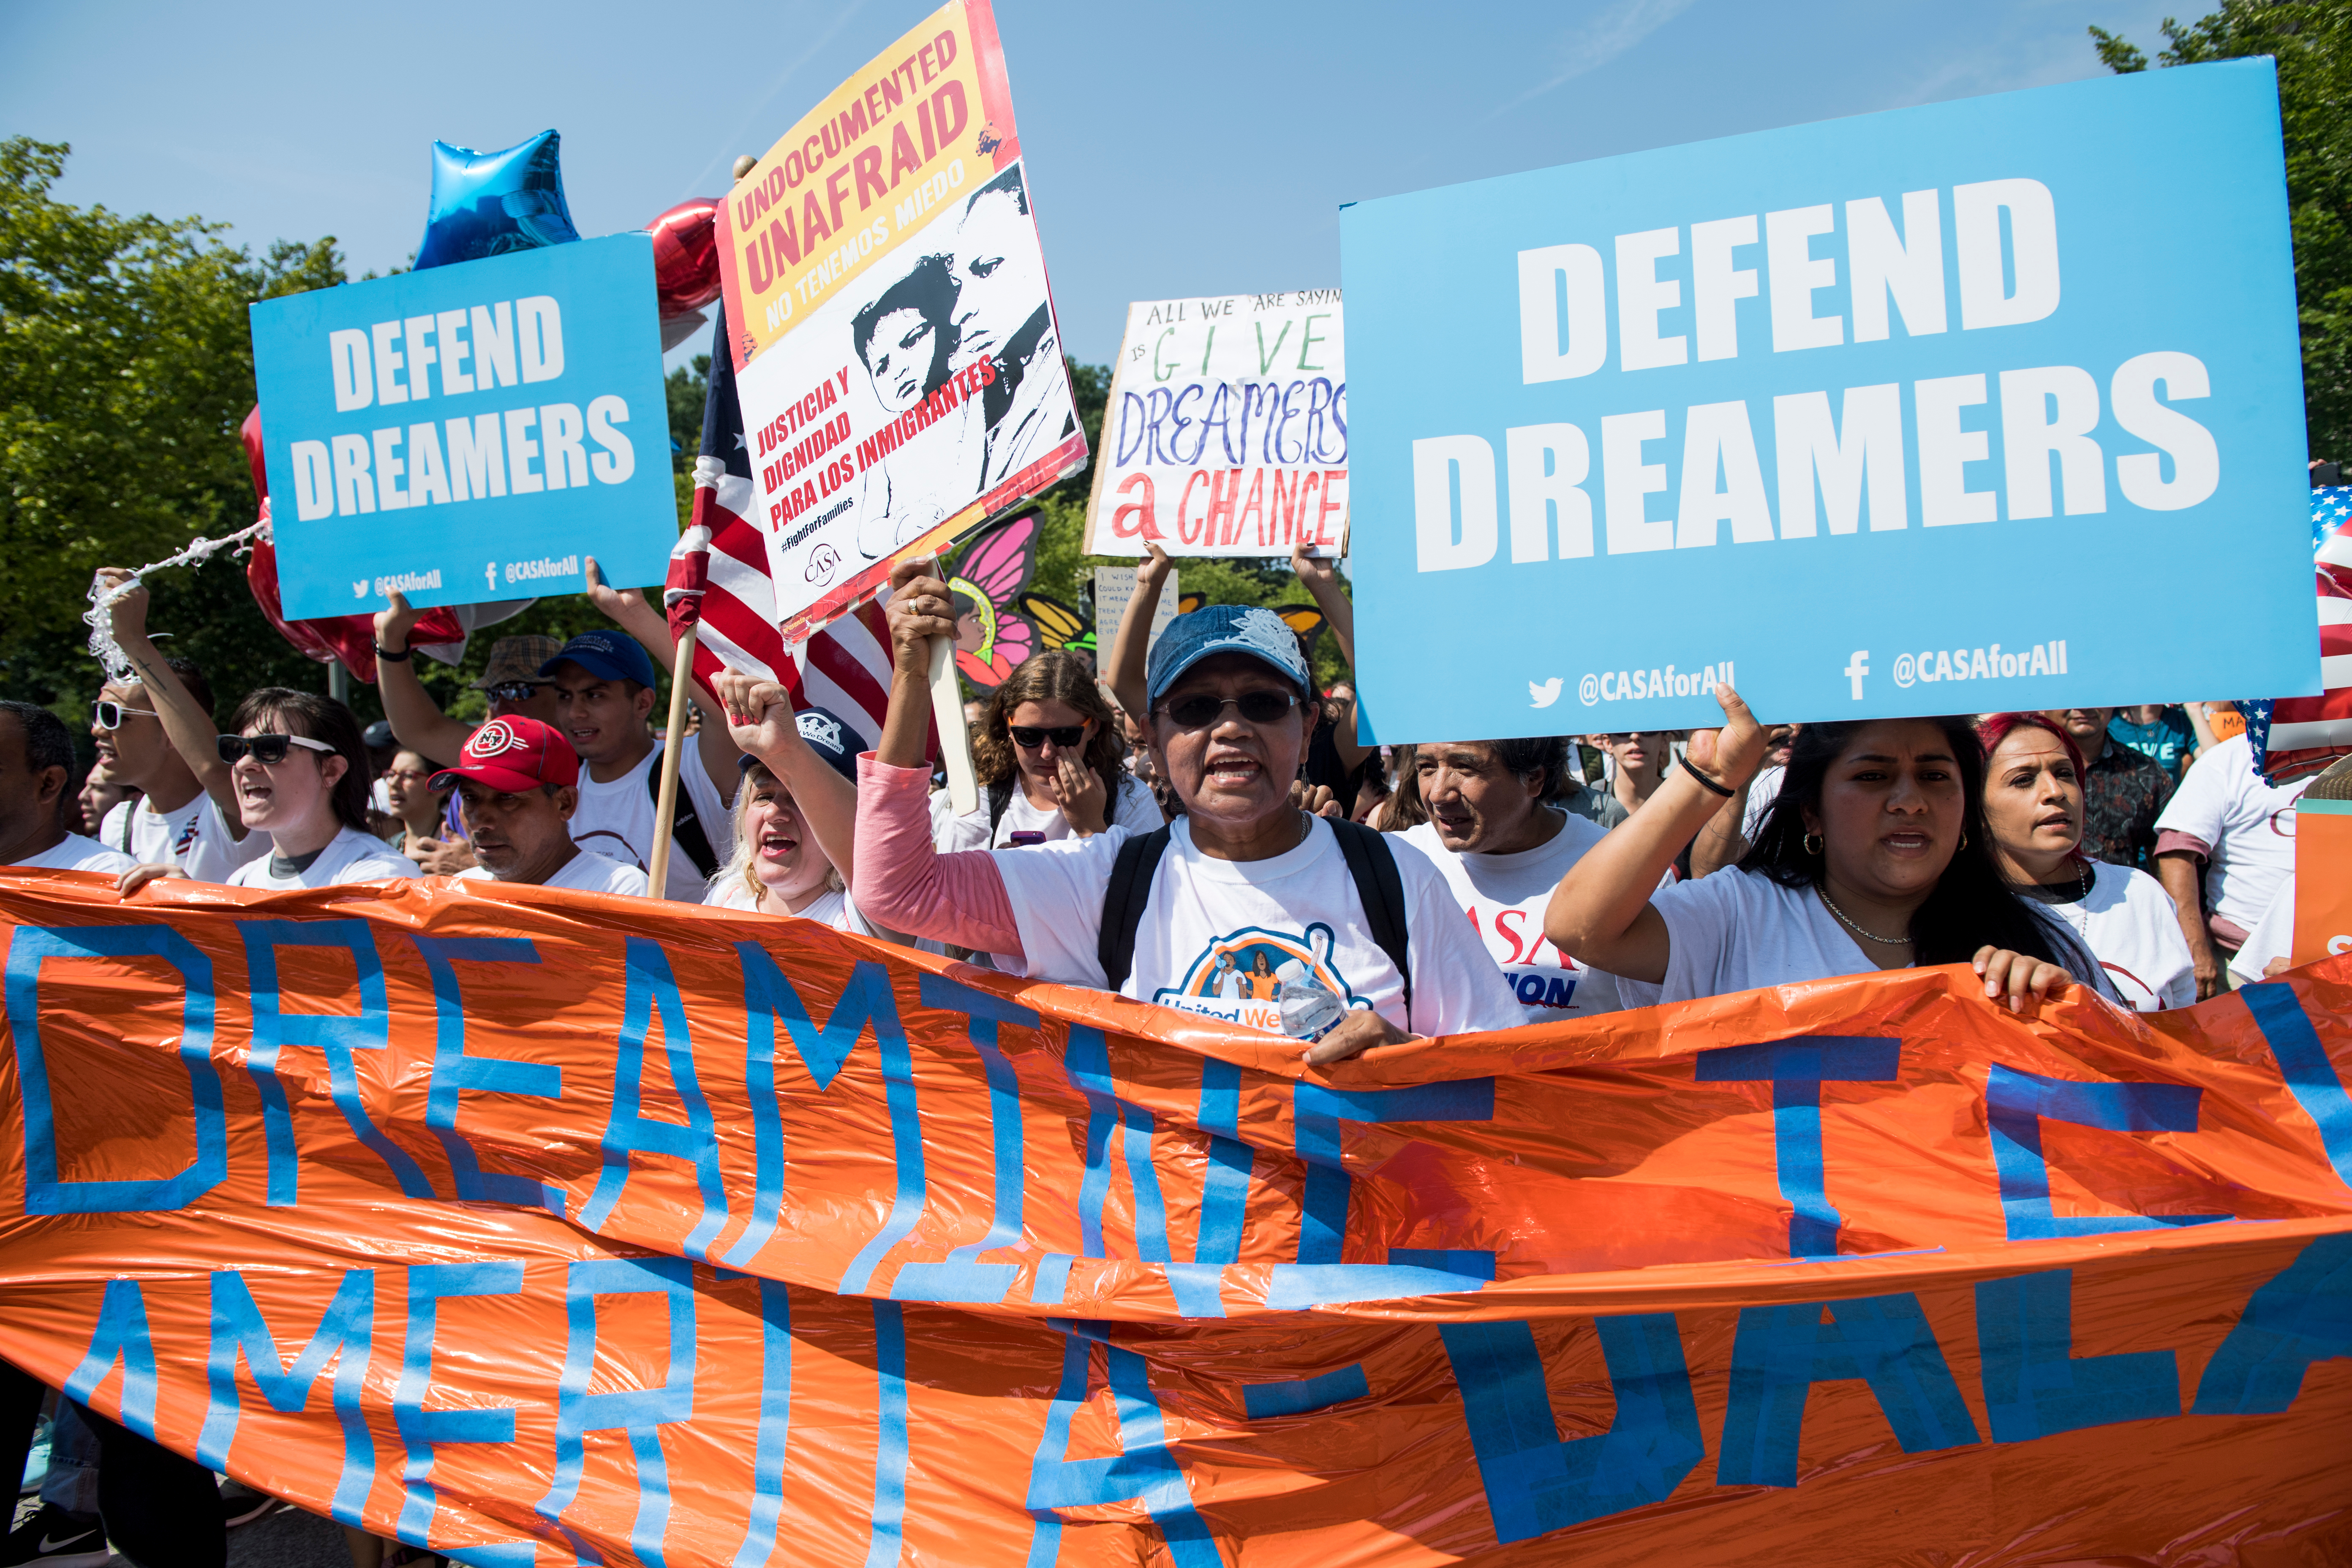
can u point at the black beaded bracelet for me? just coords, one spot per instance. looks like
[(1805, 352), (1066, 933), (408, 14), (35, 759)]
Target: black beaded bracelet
[(1725, 791), (403, 657)]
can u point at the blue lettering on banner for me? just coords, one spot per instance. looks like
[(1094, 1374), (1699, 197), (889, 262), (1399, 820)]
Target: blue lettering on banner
[(1781, 1351), (962, 1277), (1797, 1068), (641, 1413), (2035, 1387), (653, 992), (339, 1035), (1224, 1188), (1316, 1115), (2017, 1103), (2302, 1315), (768, 996), (1142, 1470), (865, 1003), (2310, 1077), (344, 1336), (455, 1071), (1087, 1060), (1302, 1396), (775, 1424), (1535, 1482), (44, 1193), (429, 1285), (120, 1333), (889, 1511)]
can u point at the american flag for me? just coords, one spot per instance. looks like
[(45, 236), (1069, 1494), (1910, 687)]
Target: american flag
[(718, 576), (2293, 736)]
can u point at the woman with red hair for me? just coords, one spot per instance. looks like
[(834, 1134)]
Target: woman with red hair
[(2033, 805)]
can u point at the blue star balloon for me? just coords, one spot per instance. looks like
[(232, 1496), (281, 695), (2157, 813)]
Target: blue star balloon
[(487, 203)]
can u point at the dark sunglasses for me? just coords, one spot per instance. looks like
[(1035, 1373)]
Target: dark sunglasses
[(514, 690), (1201, 711), (268, 750), (110, 715), (1029, 738)]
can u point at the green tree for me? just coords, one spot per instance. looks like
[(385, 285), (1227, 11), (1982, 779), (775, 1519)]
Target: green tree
[(688, 389), (126, 367), (2311, 42)]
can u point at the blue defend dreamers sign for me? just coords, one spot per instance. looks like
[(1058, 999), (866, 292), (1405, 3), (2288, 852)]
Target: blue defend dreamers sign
[(470, 432), (1978, 406)]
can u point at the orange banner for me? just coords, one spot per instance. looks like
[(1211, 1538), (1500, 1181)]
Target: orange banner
[(541, 1227)]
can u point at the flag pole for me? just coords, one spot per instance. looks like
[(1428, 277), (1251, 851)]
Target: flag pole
[(947, 719), (664, 812)]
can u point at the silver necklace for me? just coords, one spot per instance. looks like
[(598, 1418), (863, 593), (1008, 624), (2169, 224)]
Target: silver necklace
[(1867, 936)]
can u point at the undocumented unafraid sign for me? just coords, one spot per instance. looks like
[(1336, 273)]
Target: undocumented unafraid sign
[(542, 1226), (1226, 432), (894, 337), (468, 432), (1914, 413)]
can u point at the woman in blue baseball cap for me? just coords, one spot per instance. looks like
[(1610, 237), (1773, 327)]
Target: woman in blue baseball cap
[(1368, 945)]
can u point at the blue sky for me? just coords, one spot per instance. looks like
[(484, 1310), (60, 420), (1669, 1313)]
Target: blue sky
[(1199, 149)]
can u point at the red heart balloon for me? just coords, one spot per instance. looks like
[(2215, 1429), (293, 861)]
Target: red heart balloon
[(350, 638), (685, 256)]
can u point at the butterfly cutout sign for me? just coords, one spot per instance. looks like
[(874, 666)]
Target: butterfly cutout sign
[(1059, 625), (991, 636)]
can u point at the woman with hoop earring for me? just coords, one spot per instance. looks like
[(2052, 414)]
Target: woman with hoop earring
[(1876, 856)]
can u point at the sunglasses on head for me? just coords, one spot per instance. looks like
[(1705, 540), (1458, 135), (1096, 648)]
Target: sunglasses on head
[(514, 690), (268, 750), (1200, 709), (110, 715), (1029, 737)]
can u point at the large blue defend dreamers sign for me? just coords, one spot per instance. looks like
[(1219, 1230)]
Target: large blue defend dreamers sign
[(1978, 406), (470, 432)]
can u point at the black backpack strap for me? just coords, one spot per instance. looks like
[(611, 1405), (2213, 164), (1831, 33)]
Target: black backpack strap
[(130, 810), (686, 823), (1380, 889), (1000, 795), (1123, 899)]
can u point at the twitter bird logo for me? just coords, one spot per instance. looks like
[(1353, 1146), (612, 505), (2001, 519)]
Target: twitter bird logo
[(359, 589), (1544, 694)]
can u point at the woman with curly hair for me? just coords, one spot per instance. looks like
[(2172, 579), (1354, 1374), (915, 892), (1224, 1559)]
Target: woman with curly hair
[(1051, 764)]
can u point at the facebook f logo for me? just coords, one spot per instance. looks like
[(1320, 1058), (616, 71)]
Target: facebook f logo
[(1856, 668)]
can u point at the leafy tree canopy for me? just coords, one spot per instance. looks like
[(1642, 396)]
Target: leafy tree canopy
[(2311, 42)]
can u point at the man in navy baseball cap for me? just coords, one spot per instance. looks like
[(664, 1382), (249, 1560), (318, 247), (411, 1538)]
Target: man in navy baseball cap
[(604, 694)]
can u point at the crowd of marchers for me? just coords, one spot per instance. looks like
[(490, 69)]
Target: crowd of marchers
[(1194, 824)]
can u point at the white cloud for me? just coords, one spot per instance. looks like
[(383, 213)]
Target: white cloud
[(1615, 29)]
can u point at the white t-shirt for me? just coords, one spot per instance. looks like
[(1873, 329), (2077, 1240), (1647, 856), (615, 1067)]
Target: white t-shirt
[(349, 855), (834, 907), (616, 819), (2272, 936), (1736, 930), (1740, 931), (1505, 897), (1256, 941), (1763, 790), (2132, 927), (2247, 824), (586, 872), (195, 839), (1135, 810), (76, 853)]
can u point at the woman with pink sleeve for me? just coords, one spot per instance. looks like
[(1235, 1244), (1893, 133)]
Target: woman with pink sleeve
[(1368, 945)]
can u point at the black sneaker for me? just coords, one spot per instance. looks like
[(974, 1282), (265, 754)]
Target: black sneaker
[(56, 1538), (240, 1504)]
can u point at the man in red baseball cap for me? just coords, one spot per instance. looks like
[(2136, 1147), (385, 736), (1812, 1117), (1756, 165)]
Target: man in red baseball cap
[(520, 782)]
